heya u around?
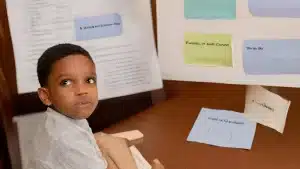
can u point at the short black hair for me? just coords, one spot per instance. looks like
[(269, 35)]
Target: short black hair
[(52, 55)]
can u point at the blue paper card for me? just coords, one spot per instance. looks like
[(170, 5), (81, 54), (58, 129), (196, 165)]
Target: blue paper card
[(210, 9), (98, 26), (275, 8), (271, 57), (223, 128)]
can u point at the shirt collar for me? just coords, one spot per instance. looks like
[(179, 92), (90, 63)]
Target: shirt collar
[(79, 122)]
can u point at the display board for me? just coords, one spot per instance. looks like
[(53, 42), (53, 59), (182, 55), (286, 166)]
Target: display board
[(117, 33), (230, 41)]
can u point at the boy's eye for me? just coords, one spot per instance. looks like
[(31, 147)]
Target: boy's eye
[(65, 82), (91, 80)]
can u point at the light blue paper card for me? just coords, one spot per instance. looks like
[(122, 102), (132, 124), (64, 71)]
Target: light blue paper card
[(223, 128), (210, 9), (98, 27), (275, 8), (271, 57)]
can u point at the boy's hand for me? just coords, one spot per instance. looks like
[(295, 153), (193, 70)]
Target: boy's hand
[(157, 165), (117, 149), (106, 139), (110, 163)]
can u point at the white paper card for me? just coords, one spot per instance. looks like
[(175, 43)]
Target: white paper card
[(266, 108), (140, 161)]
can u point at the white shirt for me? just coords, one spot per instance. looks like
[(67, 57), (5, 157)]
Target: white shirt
[(64, 143)]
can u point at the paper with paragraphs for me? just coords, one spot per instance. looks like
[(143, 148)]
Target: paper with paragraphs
[(118, 35)]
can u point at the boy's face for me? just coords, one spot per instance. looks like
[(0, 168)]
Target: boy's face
[(72, 87)]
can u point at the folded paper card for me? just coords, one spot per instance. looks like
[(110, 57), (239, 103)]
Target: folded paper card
[(275, 8), (98, 26), (223, 128), (271, 57), (207, 49), (266, 108), (212, 9), (140, 161), (134, 136)]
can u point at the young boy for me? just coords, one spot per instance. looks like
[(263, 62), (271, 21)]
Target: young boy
[(64, 140)]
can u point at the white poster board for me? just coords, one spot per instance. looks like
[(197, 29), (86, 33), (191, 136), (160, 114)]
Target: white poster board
[(117, 33), (230, 41)]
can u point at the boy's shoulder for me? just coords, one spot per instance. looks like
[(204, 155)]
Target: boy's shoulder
[(51, 131), (55, 132), (57, 125)]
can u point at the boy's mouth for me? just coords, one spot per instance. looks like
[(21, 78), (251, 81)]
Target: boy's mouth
[(83, 103)]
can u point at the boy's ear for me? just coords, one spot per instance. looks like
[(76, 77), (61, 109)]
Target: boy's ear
[(44, 96)]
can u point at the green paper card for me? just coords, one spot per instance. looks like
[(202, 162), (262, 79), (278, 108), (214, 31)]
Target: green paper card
[(210, 9), (208, 49)]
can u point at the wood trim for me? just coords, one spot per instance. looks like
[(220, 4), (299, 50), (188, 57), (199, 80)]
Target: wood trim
[(6, 111)]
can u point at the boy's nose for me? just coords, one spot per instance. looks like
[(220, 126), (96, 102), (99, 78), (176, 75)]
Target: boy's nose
[(81, 89)]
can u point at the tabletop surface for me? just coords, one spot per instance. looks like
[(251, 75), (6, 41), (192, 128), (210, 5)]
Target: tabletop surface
[(166, 126)]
